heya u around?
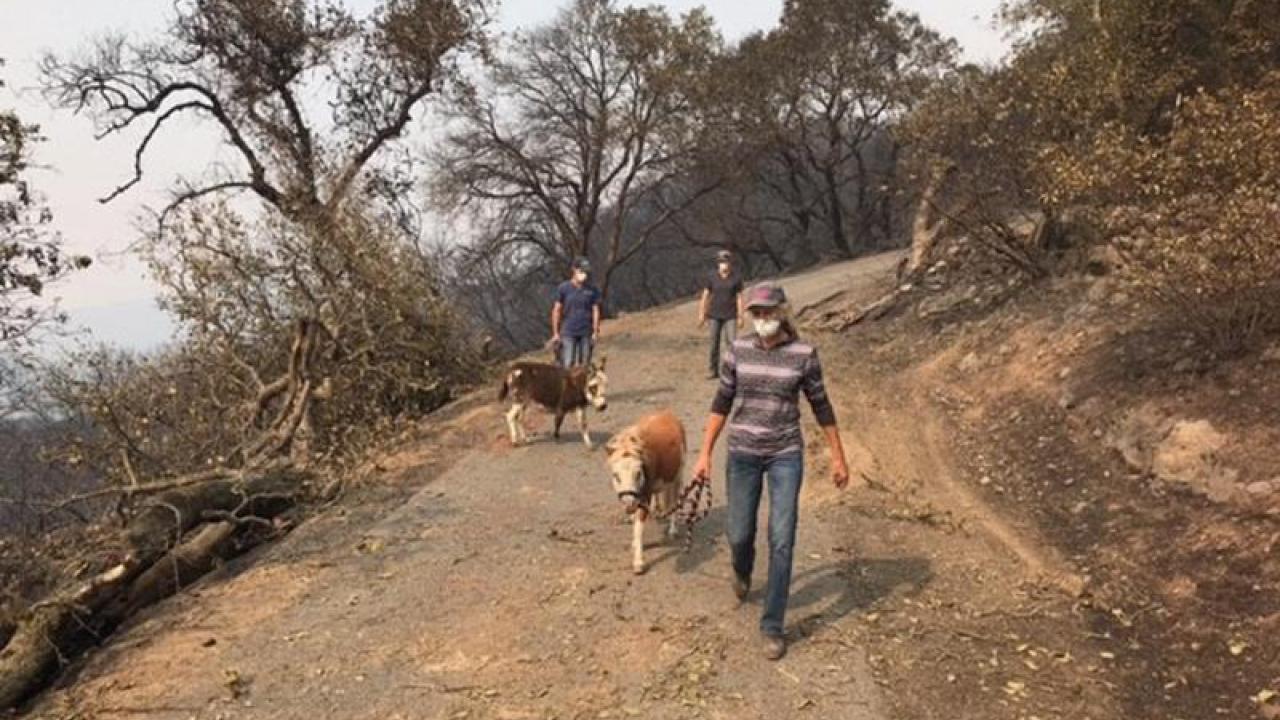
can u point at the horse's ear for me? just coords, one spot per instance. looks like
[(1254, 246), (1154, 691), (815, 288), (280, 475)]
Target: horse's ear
[(611, 445), (603, 360)]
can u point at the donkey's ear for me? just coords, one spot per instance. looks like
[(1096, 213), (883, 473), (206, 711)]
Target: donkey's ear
[(603, 360)]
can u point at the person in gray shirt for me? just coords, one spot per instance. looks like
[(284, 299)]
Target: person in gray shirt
[(764, 374), (721, 308)]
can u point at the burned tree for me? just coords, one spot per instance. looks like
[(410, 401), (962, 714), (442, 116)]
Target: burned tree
[(248, 68), (827, 87), (578, 125), (252, 71), (316, 298)]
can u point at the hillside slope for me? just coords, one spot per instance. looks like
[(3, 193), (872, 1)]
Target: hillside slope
[(473, 580), (1117, 450)]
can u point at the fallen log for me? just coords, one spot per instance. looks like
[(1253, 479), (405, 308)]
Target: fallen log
[(869, 313), (42, 640), (160, 562), (207, 548), (167, 516), (803, 313), (842, 317)]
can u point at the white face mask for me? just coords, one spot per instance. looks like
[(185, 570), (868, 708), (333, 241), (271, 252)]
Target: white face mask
[(767, 328), (580, 276), (724, 267)]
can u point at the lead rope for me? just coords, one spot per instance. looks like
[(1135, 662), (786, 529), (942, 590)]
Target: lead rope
[(695, 505)]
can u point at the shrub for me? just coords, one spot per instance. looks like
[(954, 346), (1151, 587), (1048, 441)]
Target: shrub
[(381, 341), (1199, 210)]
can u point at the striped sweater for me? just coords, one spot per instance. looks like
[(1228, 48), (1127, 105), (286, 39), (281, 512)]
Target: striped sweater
[(768, 384)]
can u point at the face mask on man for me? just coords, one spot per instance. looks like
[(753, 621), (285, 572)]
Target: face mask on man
[(580, 276), (767, 327)]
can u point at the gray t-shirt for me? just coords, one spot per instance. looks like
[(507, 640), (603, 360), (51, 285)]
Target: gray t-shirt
[(767, 383), (723, 303)]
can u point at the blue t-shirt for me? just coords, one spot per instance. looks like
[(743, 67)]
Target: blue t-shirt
[(576, 304)]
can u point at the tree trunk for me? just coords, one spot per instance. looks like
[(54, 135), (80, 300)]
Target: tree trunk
[(835, 211), (885, 205), (300, 449), (185, 564), (864, 207), (1047, 235), (36, 650), (653, 298), (802, 253), (158, 564), (170, 515), (924, 229)]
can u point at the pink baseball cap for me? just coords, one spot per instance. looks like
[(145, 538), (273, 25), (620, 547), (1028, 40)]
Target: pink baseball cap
[(765, 295)]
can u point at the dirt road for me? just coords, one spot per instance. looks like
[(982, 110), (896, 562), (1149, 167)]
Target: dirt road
[(503, 588)]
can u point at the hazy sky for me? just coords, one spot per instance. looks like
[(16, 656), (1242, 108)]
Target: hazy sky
[(114, 297)]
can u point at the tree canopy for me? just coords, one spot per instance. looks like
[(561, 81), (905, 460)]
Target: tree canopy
[(576, 126), (31, 254)]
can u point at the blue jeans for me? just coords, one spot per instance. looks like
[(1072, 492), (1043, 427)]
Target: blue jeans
[(745, 482), (722, 335), (575, 350)]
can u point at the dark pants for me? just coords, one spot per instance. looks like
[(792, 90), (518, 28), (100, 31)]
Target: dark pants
[(745, 483), (575, 350), (722, 334)]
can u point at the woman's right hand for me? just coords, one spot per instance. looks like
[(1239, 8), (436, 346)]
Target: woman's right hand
[(702, 468)]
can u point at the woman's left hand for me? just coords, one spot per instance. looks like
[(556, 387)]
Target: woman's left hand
[(840, 473)]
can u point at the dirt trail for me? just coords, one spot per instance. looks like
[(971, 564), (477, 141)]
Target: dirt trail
[(503, 588)]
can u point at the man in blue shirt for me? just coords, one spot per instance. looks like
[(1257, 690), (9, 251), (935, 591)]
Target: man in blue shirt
[(575, 317)]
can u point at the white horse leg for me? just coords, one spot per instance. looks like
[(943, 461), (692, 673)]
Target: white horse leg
[(582, 423), (672, 498), (637, 541), (513, 424), (515, 419)]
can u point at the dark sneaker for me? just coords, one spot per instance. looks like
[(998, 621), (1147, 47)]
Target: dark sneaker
[(741, 586), (775, 646)]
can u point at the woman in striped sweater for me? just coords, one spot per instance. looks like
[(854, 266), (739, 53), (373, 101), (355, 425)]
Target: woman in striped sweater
[(766, 371)]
